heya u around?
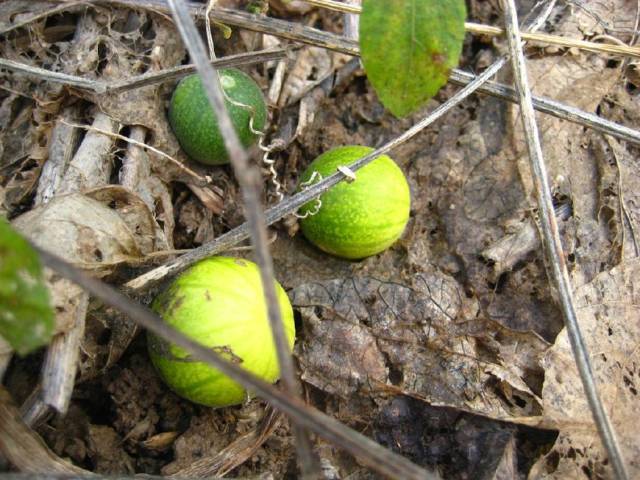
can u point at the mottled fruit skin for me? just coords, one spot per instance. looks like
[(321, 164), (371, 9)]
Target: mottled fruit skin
[(219, 302), (196, 126), (361, 218)]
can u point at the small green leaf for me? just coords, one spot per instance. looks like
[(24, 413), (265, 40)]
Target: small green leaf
[(26, 316), (408, 48)]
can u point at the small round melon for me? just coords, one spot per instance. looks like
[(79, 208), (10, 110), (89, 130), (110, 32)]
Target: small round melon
[(196, 126), (219, 302), (361, 218)]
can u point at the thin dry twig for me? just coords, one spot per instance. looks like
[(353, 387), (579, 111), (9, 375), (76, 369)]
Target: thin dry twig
[(249, 179), (144, 79), (292, 204), (368, 451), (552, 107), (312, 36), (176, 73), (488, 30), (57, 77), (199, 178), (23, 22), (547, 39), (552, 243)]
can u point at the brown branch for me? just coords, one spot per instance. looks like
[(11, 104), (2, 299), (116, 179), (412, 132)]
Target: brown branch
[(142, 80)]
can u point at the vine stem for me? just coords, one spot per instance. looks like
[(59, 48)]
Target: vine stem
[(312, 36), (293, 203), (553, 245), (249, 179)]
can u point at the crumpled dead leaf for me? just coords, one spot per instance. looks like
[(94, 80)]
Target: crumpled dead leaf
[(96, 232), (14, 11), (582, 81), (607, 311), (88, 230), (312, 66), (363, 335)]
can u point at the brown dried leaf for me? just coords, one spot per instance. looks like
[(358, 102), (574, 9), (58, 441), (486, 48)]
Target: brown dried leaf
[(132, 210), (160, 441), (608, 315), (93, 235), (86, 232), (363, 334), (312, 66), (13, 11), (582, 81)]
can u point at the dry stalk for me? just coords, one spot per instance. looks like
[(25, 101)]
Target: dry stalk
[(24, 449), (491, 31), (199, 178), (312, 36), (553, 245), (249, 179), (142, 80)]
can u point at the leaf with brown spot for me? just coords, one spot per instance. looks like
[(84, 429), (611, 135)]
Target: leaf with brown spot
[(408, 48)]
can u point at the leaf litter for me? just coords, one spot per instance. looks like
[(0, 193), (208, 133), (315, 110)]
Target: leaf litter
[(435, 350)]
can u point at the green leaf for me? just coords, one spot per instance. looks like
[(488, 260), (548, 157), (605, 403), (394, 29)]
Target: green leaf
[(408, 48), (26, 316)]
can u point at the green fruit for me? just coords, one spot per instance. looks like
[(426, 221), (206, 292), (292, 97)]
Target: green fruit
[(219, 302), (196, 126), (361, 218)]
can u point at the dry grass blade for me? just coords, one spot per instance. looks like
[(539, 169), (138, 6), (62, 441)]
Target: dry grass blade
[(249, 179), (144, 79), (488, 30), (553, 244), (64, 8), (291, 204), (312, 36), (368, 451)]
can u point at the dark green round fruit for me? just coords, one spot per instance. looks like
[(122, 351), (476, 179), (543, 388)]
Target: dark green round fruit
[(361, 218), (196, 126), (219, 302)]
